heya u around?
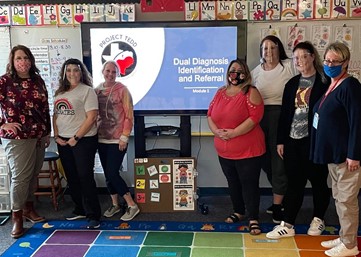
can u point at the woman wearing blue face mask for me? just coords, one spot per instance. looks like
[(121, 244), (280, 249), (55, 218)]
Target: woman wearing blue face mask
[(336, 141)]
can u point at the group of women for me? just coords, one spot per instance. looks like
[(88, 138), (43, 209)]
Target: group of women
[(85, 120), (296, 118)]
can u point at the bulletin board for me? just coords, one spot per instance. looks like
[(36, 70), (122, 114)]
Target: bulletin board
[(51, 47), (165, 184)]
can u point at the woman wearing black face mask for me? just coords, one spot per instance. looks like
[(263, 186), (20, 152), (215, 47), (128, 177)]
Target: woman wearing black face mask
[(336, 141), (233, 116)]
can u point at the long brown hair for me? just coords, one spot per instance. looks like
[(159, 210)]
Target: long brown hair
[(10, 69)]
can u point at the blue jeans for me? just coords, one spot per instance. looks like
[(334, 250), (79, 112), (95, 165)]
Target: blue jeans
[(111, 159)]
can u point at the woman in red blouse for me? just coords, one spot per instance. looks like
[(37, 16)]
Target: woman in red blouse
[(25, 129), (233, 116)]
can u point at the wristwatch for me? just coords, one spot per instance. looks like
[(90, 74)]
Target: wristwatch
[(76, 138)]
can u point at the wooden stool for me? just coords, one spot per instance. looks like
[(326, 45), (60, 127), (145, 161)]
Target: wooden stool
[(53, 186)]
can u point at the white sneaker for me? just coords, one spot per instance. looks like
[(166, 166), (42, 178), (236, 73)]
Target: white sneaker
[(331, 243), (341, 251), (131, 212), (281, 231), (111, 211), (317, 226)]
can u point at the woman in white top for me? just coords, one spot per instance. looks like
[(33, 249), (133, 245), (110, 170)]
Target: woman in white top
[(270, 77), (75, 132)]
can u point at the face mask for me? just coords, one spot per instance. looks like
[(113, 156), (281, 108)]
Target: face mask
[(234, 78), (332, 71), (22, 66)]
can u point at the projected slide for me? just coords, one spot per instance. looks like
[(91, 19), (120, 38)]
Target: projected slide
[(166, 68)]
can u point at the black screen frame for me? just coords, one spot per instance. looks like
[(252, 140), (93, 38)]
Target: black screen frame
[(241, 47)]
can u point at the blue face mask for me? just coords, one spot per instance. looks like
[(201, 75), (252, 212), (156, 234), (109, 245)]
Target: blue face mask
[(332, 71)]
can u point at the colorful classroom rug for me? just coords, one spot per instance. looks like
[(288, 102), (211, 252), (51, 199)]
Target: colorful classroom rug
[(162, 239)]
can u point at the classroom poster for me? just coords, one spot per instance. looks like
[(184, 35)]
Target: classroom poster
[(295, 35), (322, 9), (289, 10), (50, 14), (208, 10), (191, 11), (183, 184), (344, 34), (270, 31), (321, 35), (273, 10), (4, 15), (256, 10)]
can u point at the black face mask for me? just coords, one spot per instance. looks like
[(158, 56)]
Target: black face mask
[(234, 78)]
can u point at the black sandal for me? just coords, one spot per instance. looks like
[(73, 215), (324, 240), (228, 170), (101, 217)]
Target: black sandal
[(254, 228), (234, 218)]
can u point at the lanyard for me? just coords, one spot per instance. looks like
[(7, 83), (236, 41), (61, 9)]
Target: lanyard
[(330, 90)]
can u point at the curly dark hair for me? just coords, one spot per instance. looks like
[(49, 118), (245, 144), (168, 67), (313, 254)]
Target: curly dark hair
[(64, 84)]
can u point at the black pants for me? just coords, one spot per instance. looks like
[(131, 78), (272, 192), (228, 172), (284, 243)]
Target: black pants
[(111, 159), (78, 163), (299, 169), (243, 182), (273, 165)]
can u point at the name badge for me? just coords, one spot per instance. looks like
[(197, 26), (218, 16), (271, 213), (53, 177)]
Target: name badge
[(316, 117)]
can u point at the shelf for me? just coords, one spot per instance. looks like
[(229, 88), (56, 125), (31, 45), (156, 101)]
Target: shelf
[(162, 152), (156, 131), (141, 133)]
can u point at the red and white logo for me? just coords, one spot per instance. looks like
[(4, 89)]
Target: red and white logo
[(123, 54)]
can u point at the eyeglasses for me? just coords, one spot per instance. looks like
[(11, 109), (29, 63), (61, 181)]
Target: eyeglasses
[(333, 62), (301, 57)]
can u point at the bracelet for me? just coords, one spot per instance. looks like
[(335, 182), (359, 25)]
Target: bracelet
[(123, 138)]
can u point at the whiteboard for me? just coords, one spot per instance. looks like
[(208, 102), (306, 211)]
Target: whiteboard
[(51, 46), (4, 48)]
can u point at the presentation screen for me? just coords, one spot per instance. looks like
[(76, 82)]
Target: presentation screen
[(168, 67)]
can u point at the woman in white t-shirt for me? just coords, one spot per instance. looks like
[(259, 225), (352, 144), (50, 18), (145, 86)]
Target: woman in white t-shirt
[(75, 132), (270, 77)]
